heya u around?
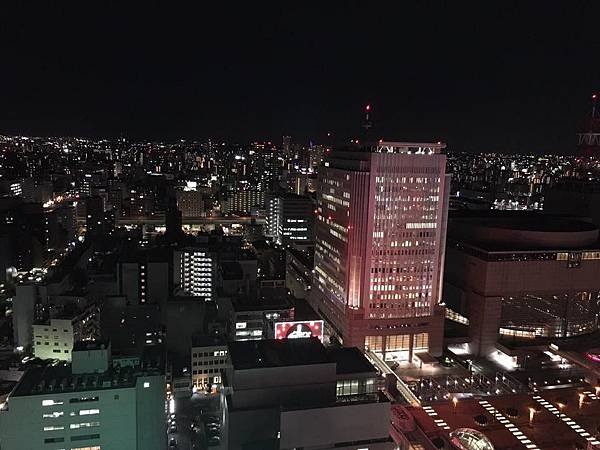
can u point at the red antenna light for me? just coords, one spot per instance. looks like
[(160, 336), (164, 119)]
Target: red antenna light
[(368, 108)]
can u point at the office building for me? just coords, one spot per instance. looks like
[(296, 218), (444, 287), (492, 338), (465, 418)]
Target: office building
[(522, 275), (53, 340), (61, 226), (96, 403), (190, 203), (379, 250), (143, 279), (295, 393), (99, 222), (290, 220), (210, 360), (23, 236), (255, 318), (194, 272), (244, 202)]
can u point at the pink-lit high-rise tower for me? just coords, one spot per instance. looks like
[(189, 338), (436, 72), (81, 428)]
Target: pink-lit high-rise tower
[(379, 255)]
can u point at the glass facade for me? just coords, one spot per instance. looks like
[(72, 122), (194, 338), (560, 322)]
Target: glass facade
[(559, 315)]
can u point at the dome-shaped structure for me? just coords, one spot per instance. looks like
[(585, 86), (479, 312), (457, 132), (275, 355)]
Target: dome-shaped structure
[(470, 439)]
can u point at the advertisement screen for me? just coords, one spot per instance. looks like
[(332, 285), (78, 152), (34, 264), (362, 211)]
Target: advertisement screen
[(301, 329)]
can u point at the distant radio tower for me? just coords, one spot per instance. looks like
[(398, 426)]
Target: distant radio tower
[(588, 138), (367, 120)]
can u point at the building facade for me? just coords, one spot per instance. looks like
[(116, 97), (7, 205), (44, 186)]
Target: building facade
[(190, 203), (379, 250), (89, 405), (295, 393), (195, 272), (290, 220), (522, 276), (53, 341), (210, 360), (243, 202), (144, 281)]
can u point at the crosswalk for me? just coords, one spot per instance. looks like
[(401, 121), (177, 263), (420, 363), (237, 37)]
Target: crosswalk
[(568, 420), (436, 419), (511, 427)]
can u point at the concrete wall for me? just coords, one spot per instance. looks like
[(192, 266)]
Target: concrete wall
[(21, 426), (344, 423), (265, 387)]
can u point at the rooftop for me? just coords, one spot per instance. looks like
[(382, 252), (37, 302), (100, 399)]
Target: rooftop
[(296, 352), (506, 231), (559, 419), (203, 340), (261, 304), (349, 360), (277, 353), (59, 379)]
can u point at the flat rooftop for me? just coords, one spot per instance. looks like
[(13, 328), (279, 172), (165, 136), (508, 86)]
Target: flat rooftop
[(559, 422), (264, 303), (350, 360), (59, 379), (277, 353), (296, 352), (506, 231)]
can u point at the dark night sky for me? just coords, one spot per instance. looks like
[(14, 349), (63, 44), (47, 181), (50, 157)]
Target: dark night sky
[(480, 77)]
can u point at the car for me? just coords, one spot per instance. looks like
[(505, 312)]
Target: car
[(215, 440), (211, 419), (173, 443), (173, 429), (394, 365)]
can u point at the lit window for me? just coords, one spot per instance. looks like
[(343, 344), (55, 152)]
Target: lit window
[(146, 384), (51, 402), (88, 412)]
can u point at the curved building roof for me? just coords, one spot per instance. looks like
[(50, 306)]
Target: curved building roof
[(470, 439), (518, 231)]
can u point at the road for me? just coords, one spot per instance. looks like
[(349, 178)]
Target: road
[(160, 220)]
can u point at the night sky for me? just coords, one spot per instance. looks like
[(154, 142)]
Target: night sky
[(480, 77)]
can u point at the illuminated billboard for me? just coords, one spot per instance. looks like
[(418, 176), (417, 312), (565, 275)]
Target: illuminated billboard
[(300, 329)]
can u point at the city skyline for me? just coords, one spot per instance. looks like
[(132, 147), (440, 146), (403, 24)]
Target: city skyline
[(519, 73)]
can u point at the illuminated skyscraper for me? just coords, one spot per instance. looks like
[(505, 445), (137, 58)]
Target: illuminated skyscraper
[(380, 236)]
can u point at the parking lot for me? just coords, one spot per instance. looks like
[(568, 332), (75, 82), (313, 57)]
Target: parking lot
[(196, 424)]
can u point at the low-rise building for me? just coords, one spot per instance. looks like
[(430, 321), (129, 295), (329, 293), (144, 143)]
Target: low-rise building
[(92, 404), (210, 360), (53, 340), (295, 393)]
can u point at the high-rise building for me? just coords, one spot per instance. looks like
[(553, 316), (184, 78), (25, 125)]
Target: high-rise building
[(190, 203), (194, 272), (143, 280), (99, 222), (379, 250), (97, 402), (243, 202), (290, 219)]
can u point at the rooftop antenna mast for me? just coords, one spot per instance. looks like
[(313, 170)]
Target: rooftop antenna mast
[(367, 124)]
